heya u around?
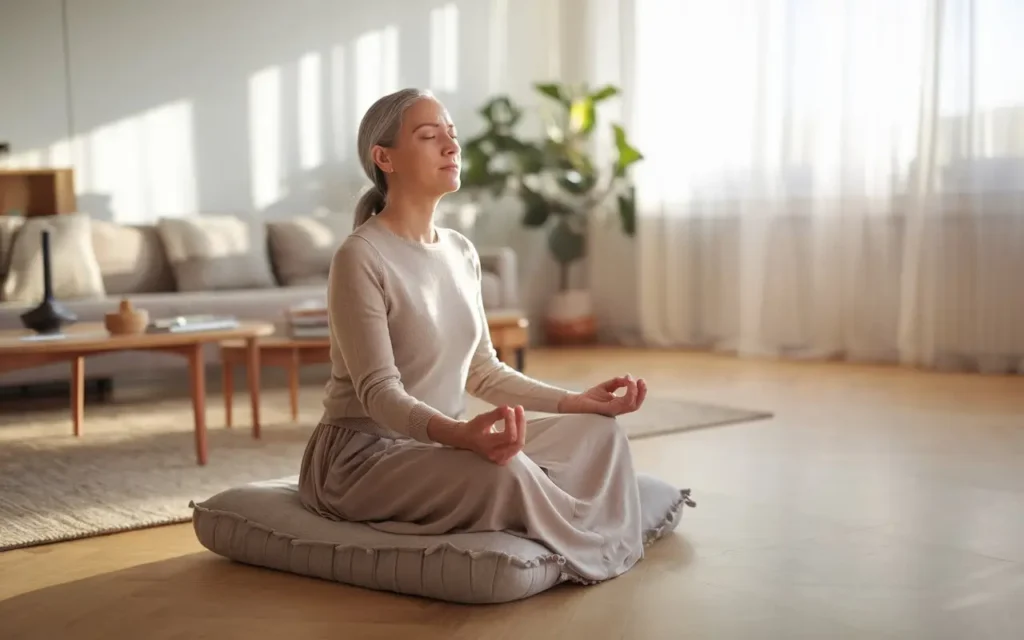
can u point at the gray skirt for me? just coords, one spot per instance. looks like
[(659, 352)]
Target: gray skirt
[(572, 489)]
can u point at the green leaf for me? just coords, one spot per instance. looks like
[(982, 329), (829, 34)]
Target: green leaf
[(530, 158), (627, 211), (537, 208), (582, 116), (604, 93), (566, 244), (501, 113), (628, 154), (555, 92)]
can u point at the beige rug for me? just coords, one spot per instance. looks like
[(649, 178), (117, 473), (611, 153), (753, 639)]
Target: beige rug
[(135, 466)]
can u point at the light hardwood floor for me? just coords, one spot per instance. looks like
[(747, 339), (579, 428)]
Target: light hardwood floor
[(878, 503)]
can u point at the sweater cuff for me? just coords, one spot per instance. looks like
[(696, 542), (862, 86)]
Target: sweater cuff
[(419, 417), (547, 400)]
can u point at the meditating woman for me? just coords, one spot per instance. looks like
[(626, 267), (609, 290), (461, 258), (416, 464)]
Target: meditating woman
[(409, 338)]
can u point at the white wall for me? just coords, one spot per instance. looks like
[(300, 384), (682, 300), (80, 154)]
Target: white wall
[(32, 107), (251, 106), (234, 105)]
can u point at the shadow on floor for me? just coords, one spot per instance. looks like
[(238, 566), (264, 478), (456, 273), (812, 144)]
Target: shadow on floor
[(202, 594)]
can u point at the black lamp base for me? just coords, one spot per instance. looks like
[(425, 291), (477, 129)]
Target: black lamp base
[(49, 317)]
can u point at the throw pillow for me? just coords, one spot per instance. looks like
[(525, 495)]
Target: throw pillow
[(132, 258), (75, 271), (302, 247), (217, 252)]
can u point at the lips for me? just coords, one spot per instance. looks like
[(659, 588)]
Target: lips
[(450, 167)]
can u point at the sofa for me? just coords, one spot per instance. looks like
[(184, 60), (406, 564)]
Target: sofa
[(247, 267)]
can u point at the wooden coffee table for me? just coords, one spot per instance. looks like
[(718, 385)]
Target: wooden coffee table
[(509, 334), (23, 350)]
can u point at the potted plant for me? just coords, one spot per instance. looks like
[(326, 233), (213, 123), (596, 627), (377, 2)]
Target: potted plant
[(560, 183)]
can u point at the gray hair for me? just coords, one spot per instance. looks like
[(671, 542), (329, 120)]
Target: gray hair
[(380, 126)]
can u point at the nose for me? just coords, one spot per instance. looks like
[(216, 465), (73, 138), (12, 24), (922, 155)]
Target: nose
[(451, 146)]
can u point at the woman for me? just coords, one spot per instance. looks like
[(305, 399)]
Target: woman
[(409, 337)]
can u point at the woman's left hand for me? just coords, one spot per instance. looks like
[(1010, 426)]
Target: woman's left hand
[(601, 399)]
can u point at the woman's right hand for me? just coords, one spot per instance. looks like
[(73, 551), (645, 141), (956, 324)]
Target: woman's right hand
[(497, 446)]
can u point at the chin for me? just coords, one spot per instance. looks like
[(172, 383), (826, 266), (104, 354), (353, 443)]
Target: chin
[(450, 186)]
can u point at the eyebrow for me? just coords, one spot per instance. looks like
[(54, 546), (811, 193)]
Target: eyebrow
[(431, 124)]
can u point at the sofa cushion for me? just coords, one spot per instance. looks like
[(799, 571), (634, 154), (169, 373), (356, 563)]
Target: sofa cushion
[(217, 252), (302, 247), (75, 270), (132, 258)]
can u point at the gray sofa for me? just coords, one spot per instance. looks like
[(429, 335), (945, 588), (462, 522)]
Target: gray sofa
[(179, 267)]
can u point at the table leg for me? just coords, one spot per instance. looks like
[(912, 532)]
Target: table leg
[(228, 382), (252, 365), (77, 394), (293, 384), (520, 359), (504, 355), (198, 383)]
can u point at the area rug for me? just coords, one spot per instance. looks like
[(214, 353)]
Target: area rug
[(135, 465)]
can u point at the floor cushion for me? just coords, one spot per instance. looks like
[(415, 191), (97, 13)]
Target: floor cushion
[(264, 524)]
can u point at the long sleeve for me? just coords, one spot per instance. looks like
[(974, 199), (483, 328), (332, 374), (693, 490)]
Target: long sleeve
[(493, 381), (357, 311)]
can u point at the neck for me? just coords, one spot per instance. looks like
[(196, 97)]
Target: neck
[(410, 216)]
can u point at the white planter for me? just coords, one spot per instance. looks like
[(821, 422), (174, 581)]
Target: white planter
[(567, 306), (570, 318)]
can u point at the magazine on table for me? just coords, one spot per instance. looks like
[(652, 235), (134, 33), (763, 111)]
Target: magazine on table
[(199, 322)]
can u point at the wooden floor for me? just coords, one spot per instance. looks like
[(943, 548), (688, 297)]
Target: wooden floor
[(878, 503)]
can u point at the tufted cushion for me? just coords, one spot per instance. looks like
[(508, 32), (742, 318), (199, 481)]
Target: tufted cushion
[(265, 524)]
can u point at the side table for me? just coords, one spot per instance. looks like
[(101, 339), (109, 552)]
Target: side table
[(275, 351)]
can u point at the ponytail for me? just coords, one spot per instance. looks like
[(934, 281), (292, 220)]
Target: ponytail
[(370, 204)]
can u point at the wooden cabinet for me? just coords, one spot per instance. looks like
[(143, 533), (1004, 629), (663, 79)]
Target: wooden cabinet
[(37, 192)]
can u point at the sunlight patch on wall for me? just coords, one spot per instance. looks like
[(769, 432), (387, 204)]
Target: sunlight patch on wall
[(70, 153), (168, 161), (144, 164), (376, 65), (265, 136), (31, 159), (444, 48), (338, 114), (498, 54), (310, 117)]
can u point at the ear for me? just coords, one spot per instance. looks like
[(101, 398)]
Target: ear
[(382, 158)]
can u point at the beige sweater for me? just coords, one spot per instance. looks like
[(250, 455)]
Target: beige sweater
[(409, 336)]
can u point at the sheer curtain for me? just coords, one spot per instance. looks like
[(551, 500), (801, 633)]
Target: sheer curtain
[(831, 178)]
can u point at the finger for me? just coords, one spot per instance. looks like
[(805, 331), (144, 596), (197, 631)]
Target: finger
[(641, 386), (612, 385), (486, 420), (511, 430), (520, 426), (631, 393)]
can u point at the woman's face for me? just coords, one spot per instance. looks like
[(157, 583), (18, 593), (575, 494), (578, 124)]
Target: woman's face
[(426, 155)]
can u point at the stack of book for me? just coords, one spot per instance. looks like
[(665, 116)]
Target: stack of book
[(307, 322)]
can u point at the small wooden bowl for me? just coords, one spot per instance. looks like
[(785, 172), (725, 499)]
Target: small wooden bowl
[(126, 320)]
